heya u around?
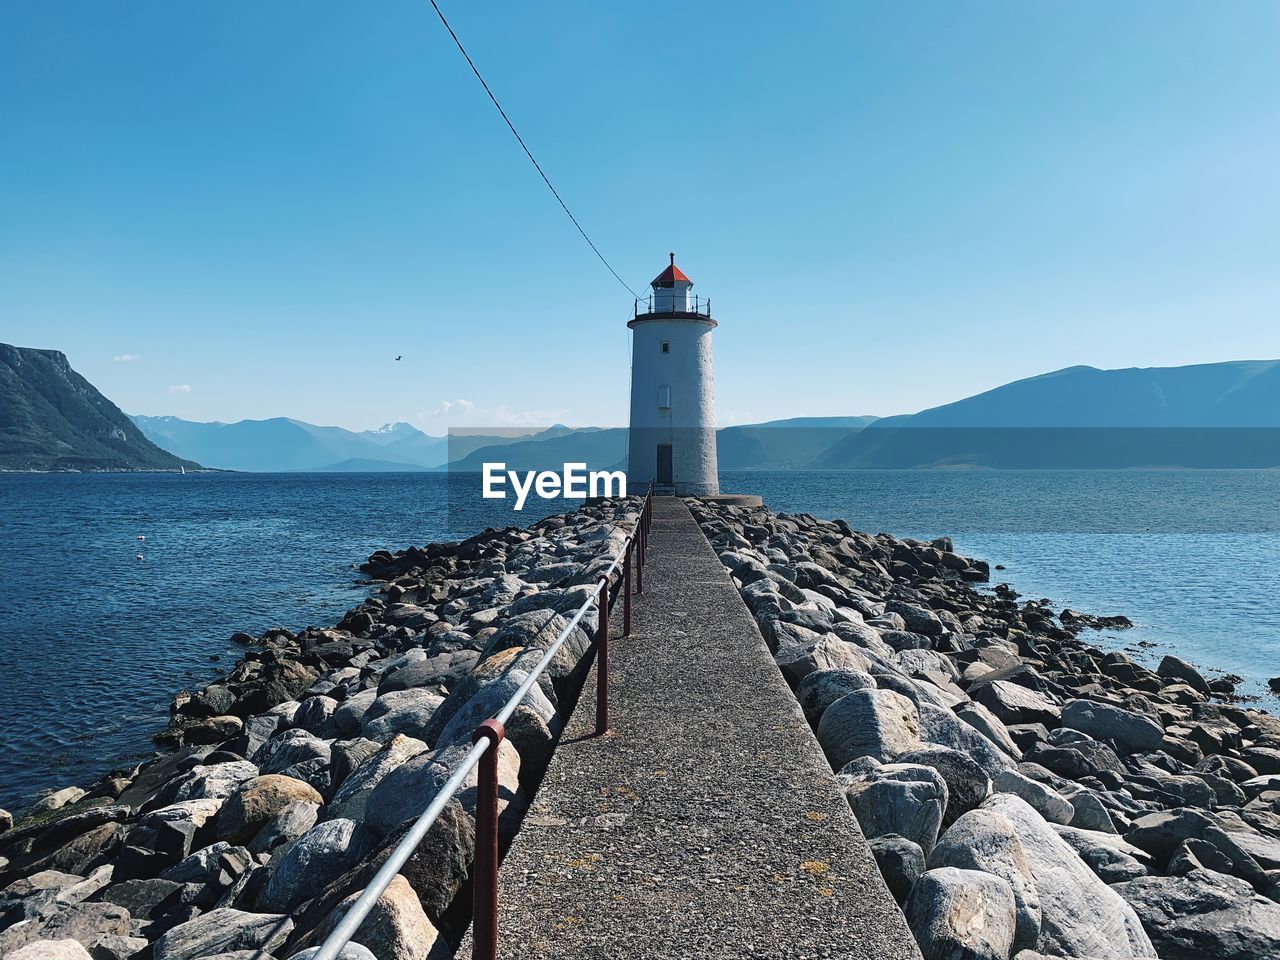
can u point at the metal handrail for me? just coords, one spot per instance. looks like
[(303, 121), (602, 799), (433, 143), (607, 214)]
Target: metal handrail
[(488, 737)]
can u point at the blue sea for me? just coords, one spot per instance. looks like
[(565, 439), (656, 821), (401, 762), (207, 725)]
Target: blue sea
[(95, 641)]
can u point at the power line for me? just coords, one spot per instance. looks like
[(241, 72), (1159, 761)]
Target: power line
[(555, 193)]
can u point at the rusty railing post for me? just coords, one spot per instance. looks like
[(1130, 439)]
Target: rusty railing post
[(626, 588), (484, 906), (602, 660), (640, 558)]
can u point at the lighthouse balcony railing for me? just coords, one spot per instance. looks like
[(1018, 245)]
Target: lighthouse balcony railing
[(671, 307)]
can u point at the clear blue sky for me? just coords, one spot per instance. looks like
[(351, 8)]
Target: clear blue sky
[(891, 205)]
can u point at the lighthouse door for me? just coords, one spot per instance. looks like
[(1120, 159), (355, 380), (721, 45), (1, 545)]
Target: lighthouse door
[(664, 478)]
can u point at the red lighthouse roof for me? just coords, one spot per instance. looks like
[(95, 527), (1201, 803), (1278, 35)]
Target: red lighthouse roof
[(670, 276)]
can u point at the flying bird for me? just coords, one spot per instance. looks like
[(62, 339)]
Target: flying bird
[(401, 357)]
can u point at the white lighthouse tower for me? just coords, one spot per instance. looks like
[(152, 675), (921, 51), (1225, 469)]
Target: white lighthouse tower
[(672, 440)]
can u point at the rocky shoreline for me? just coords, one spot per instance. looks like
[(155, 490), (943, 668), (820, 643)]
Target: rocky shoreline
[(1026, 794), (285, 785)]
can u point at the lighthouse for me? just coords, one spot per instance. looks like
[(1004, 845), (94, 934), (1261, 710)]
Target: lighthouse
[(672, 440)]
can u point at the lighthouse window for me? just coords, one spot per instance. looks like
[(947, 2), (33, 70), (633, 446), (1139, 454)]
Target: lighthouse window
[(666, 346), (664, 397)]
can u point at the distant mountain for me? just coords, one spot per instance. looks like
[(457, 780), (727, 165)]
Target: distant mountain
[(359, 465), (598, 449), (282, 445), (51, 418), (782, 444), (1206, 415)]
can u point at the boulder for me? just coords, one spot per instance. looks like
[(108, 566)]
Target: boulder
[(986, 840), (315, 715), (1109, 856), (50, 950), (820, 689), (1046, 801), (404, 793), (903, 798), (314, 860), (967, 783), (86, 923), (1204, 914), (223, 931), (961, 914), (290, 748), (1014, 703), (868, 723), (1102, 721), (917, 619), (1080, 915), (348, 718), (1077, 760), (405, 712), (827, 652), (990, 726), (350, 799), (901, 862), (213, 782), (395, 929), (1173, 668), (257, 801), (285, 825), (939, 725)]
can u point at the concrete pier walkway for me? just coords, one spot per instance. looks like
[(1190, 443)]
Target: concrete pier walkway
[(707, 823)]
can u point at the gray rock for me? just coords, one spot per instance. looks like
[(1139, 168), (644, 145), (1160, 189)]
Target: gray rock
[(223, 931), (50, 950), (869, 723), (313, 861), (257, 801), (820, 689), (961, 915), (406, 712), (1075, 761), (1205, 914), (290, 748), (1080, 915), (404, 792), (315, 715), (285, 825), (901, 862), (86, 923), (488, 699), (902, 798), (350, 799), (112, 947), (917, 619), (1173, 668), (1014, 703), (1107, 855), (215, 782), (146, 900), (967, 783), (990, 726), (986, 840), (217, 866), (827, 652), (40, 892), (395, 929), (1046, 801), (348, 718), (1105, 722), (1090, 813), (939, 725)]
